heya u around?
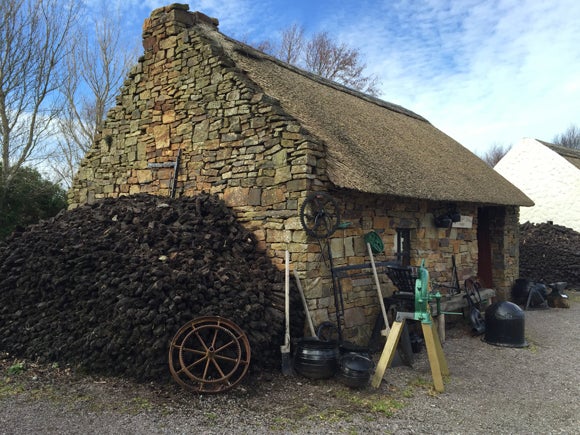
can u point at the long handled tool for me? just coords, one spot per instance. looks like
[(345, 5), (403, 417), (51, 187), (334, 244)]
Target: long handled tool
[(285, 349), (385, 331), (306, 310)]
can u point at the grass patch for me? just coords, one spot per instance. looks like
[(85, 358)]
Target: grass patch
[(532, 347), (141, 404), (426, 384), (332, 416), (408, 392), (9, 388), (375, 403), (16, 368), (282, 423)]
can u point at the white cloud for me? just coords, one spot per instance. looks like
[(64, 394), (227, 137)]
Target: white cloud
[(483, 72)]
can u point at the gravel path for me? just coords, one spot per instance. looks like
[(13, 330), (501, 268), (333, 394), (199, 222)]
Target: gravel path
[(491, 389)]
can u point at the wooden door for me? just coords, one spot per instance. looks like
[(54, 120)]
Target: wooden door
[(484, 264)]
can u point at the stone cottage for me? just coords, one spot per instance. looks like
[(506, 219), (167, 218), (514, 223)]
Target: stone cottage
[(550, 176), (203, 112)]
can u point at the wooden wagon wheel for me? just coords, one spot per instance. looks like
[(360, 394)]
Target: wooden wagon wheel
[(209, 355)]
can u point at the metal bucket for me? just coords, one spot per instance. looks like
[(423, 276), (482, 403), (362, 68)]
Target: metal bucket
[(505, 325), (316, 359), (355, 370)]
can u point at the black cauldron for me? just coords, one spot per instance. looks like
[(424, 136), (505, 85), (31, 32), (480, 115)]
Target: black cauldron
[(355, 370), (315, 358), (505, 325)]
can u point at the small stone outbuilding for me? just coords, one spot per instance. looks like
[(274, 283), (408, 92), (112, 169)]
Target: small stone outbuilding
[(203, 112)]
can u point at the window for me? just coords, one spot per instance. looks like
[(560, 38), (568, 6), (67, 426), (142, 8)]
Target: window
[(404, 246)]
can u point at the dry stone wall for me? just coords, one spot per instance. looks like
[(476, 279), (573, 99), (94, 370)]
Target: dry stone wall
[(384, 215)]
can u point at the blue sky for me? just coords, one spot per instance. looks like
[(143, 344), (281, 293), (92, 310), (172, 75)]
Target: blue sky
[(484, 72)]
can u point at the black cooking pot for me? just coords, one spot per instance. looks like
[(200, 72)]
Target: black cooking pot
[(315, 358), (355, 370), (505, 325)]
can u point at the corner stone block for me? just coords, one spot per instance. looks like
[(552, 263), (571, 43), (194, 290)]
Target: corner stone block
[(161, 134), (283, 175), (273, 196), (255, 196), (236, 196), (349, 247), (144, 176), (293, 223), (337, 248)]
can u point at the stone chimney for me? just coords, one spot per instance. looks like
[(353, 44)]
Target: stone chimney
[(170, 21)]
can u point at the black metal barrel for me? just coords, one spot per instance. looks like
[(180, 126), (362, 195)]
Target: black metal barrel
[(316, 359)]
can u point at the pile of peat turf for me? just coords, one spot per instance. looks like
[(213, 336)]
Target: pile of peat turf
[(550, 253), (106, 286)]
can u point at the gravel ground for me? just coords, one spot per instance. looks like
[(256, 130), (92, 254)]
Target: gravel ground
[(491, 389)]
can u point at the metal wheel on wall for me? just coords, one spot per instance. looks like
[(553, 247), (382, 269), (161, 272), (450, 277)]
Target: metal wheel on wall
[(209, 355), (319, 215)]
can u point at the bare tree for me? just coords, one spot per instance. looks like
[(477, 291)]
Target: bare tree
[(338, 62), (292, 44), (494, 154), (323, 56), (96, 66), (33, 35), (570, 138)]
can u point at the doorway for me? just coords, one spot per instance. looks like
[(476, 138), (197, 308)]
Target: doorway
[(484, 236)]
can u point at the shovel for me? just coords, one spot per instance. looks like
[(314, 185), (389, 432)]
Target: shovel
[(285, 349)]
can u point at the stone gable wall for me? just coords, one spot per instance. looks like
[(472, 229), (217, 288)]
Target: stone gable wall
[(185, 94)]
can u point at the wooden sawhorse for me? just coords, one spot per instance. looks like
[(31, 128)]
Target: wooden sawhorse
[(434, 352)]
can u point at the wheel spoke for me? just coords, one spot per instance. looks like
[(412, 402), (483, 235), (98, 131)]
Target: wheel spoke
[(219, 369), (205, 370), (187, 369), (201, 340), (226, 358), (226, 346), (194, 351)]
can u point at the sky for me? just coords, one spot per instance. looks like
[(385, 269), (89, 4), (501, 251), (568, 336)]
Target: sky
[(484, 72)]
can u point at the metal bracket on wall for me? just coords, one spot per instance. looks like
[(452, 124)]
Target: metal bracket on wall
[(174, 165)]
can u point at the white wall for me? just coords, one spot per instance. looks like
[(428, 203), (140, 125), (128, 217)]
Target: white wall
[(548, 179)]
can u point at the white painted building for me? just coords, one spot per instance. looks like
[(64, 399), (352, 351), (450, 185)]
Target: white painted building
[(550, 176)]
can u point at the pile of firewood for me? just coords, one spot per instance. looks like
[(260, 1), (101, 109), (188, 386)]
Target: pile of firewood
[(106, 286), (550, 253)]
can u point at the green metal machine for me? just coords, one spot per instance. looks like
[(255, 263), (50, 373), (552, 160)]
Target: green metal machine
[(423, 296)]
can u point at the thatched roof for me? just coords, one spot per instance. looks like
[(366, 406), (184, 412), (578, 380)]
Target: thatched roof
[(570, 154), (373, 146)]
